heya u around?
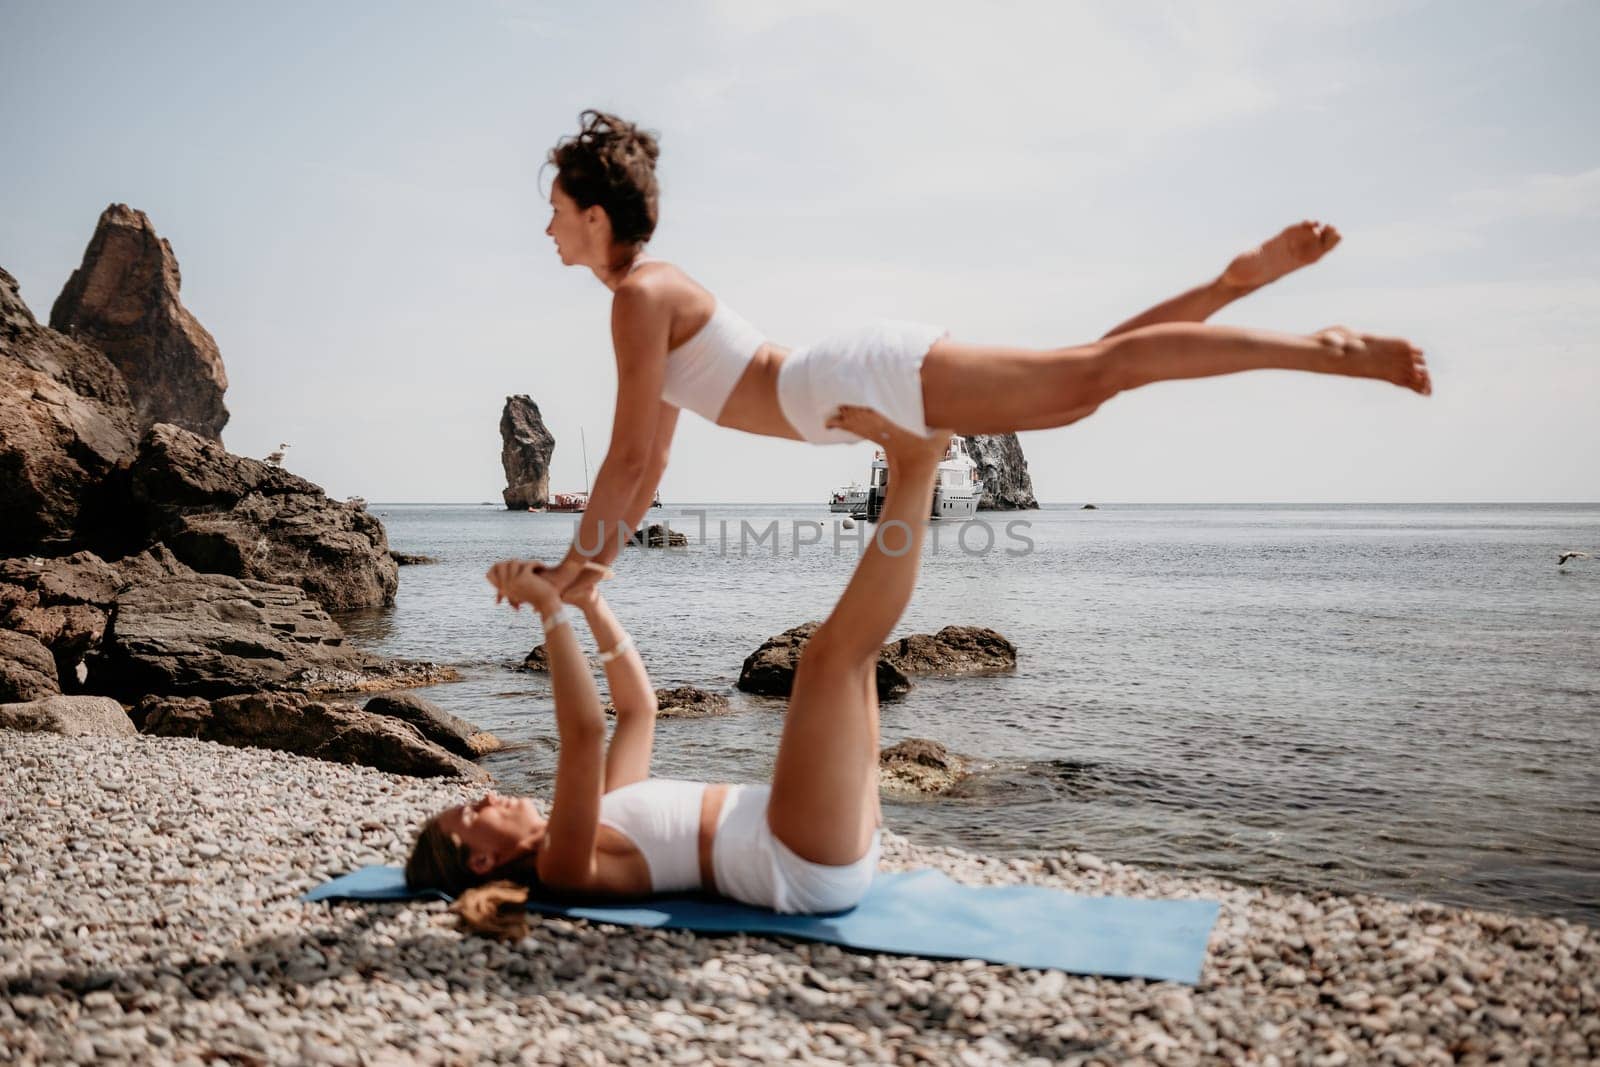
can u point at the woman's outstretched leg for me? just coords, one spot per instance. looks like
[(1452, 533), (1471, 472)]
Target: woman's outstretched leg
[(982, 389), (824, 803), (1294, 247)]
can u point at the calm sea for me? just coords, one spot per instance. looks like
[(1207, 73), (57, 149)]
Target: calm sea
[(1401, 699)]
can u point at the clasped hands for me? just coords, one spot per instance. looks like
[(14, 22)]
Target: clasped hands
[(529, 581)]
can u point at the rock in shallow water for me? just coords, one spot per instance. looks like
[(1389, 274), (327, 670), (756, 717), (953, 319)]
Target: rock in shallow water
[(435, 724), (919, 767), (769, 670), (954, 650)]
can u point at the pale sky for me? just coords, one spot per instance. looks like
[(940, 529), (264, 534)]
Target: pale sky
[(353, 193)]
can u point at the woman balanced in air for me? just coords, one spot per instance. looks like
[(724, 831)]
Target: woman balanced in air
[(677, 346), (808, 842)]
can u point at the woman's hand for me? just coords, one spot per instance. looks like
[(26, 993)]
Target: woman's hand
[(565, 573), (524, 581), (584, 591)]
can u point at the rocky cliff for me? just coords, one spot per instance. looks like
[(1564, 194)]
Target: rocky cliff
[(526, 446), (123, 300), (66, 427), (1004, 470)]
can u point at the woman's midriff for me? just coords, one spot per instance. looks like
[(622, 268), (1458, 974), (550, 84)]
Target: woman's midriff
[(623, 868), (753, 405)]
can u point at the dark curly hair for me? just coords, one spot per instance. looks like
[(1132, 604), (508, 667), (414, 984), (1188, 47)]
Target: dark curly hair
[(612, 162)]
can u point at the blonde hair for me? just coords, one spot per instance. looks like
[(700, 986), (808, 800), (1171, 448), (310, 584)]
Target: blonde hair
[(495, 908)]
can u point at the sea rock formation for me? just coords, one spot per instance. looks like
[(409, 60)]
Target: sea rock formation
[(69, 716), (124, 301), (212, 635), (435, 724), (685, 702), (917, 767), (658, 535), (227, 514), (954, 650), (769, 670), (537, 661), (1004, 470), (288, 722), (27, 670), (66, 425), (526, 446)]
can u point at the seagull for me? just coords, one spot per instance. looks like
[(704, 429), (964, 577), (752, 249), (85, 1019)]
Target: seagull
[(1561, 561)]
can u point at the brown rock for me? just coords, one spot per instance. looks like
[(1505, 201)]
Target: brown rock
[(954, 650), (27, 670), (919, 767), (64, 603), (435, 724), (68, 716), (685, 702), (769, 670), (538, 660), (124, 301), (65, 427), (526, 446), (289, 722), (658, 535), (210, 635), (227, 514)]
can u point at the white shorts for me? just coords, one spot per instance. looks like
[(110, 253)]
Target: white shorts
[(876, 366), (754, 867)]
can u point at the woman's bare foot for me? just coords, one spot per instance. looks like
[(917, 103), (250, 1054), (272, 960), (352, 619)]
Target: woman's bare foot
[(584, 590), (522, 581), (1297, 246), (1365, 355), (899, 443)]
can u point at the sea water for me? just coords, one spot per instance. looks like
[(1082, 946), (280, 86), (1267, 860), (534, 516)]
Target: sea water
[(1398, 699)]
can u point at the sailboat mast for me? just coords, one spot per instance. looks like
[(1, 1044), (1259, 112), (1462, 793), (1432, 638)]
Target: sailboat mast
[(584, 442)]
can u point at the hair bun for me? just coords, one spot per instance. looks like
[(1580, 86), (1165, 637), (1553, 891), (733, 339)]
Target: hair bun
[(612, 162)]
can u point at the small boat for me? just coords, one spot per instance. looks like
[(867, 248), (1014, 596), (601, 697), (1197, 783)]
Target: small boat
[(955, 494), (849, 499), (567, 502)]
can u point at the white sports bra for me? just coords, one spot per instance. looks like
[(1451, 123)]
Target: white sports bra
[(702, 372), (661, 816)]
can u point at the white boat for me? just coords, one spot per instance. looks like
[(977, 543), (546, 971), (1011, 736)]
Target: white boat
[(955, 494), (850, 499)]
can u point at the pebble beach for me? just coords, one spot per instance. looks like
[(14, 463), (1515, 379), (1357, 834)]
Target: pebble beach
[(149, 913)]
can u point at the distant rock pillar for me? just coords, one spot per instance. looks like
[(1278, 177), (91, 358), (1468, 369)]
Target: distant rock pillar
[(123, 300), (526, 446), (1004, 470)]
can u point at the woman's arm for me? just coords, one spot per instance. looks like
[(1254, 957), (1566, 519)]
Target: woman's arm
[(640, 320), (567, 857), (666, 426), (628, 756)]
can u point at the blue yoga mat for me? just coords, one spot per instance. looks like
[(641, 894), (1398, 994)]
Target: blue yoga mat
[(918, 913)]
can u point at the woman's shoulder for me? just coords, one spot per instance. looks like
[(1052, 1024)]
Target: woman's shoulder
[(660, 281)]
